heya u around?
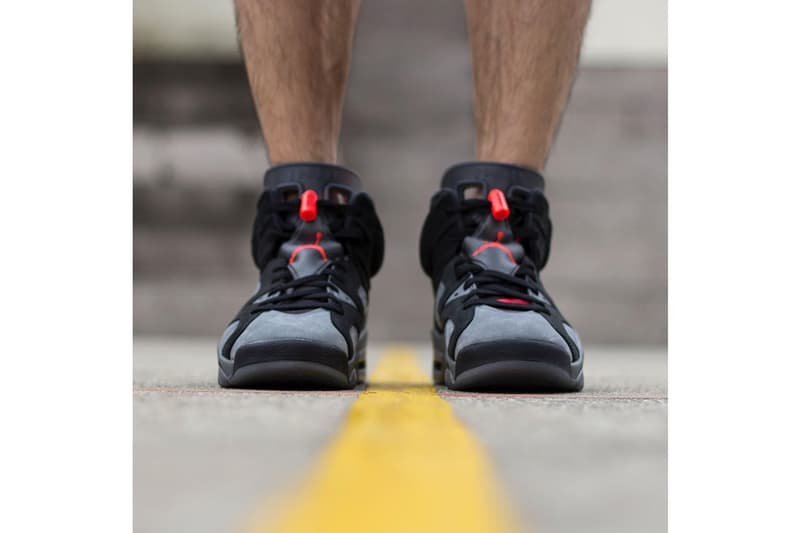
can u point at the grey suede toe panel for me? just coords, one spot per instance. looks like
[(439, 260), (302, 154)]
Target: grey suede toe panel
[(490, 324), (311, 326)]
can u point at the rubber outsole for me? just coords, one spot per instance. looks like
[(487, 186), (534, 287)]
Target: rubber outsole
[(294, 366), (288, 375), (507, 367)]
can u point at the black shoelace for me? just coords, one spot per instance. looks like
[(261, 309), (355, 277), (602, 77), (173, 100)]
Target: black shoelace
[(492, 287), (531, 226), (308, 292)]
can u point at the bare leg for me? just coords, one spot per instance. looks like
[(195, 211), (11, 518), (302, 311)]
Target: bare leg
[(297, 54), (524, 55)]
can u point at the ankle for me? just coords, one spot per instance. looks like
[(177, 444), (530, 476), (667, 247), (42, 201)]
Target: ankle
[(530, 154)]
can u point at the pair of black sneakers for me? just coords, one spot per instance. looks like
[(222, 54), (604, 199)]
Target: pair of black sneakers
[(317, 242)]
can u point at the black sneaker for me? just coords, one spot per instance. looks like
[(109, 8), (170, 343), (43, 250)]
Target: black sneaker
[(317, 242), (483, 244)]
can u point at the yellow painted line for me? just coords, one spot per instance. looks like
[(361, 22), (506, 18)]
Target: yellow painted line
[(402, 462)]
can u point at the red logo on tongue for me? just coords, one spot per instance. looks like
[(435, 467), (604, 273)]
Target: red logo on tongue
[(496, 244), (316, 247)]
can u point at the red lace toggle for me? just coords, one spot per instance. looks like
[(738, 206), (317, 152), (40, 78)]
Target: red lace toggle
[(500, 210), (308, 205)]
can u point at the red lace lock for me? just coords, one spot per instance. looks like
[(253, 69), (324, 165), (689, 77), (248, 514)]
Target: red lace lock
[(500, 210), (308, 205)]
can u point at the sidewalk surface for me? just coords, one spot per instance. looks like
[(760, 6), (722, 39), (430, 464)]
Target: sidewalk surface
[(208, 459)]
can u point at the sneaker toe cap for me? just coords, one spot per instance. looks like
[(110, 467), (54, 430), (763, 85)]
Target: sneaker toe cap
[(498, 334), (304, 336)]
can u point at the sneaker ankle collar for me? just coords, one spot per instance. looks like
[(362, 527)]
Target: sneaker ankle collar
[(491, 175), (319, 177)]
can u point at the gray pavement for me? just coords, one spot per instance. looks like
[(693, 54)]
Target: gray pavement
[(205, 458)]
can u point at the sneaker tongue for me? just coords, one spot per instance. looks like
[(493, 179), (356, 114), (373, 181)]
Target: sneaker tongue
[(311, 247), (493, 247), (330, 182), (491, 176)]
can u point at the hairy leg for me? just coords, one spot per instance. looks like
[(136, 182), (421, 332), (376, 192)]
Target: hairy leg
[(297, 54), (524, 54)]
